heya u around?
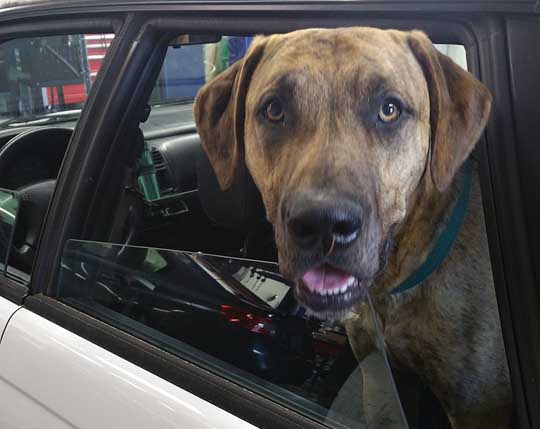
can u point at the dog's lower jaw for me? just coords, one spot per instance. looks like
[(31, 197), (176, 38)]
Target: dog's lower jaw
[(326, 316)]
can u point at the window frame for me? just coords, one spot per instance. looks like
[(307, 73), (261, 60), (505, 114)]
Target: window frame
[(499, 170)]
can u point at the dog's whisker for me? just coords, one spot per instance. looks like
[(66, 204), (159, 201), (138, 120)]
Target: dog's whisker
[(332, 245)]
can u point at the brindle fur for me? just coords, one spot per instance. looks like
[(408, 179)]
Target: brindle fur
[(331, 83)]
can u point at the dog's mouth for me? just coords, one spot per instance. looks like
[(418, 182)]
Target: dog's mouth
[(330, 292)]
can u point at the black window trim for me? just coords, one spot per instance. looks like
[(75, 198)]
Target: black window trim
[(519, 301), (510, 266), (56, 26)]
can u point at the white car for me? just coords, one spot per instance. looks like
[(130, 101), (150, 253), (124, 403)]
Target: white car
[(134, 293)]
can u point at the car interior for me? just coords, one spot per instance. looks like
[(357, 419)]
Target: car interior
[(191, 212)]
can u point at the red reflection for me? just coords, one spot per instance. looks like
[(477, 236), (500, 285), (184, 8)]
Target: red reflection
[(249, 321)]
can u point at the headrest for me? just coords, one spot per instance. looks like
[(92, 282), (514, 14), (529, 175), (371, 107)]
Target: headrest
[(240, 207)]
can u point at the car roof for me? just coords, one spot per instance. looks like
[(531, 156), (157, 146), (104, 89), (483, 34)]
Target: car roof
[(8, 7)]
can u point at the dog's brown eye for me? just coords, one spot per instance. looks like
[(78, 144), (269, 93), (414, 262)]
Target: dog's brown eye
[(389, 112), (274, 111)]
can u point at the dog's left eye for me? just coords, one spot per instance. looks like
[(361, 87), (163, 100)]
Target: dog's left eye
[(389, 111), (273, 111)]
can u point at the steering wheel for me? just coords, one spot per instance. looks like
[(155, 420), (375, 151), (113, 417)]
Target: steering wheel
[(51, 144)]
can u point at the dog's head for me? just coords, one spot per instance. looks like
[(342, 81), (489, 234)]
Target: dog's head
[(337, 129)]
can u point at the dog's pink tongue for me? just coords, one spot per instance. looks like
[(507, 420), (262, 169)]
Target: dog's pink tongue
[(325, 277)]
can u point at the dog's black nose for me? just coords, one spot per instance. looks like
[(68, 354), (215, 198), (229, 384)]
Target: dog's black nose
[(312, 221)]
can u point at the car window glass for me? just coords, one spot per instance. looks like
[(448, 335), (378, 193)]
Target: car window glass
[(44, 83), (235, 317)]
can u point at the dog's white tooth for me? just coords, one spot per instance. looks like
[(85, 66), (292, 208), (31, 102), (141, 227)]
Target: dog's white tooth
[(344, 288), (350, 282), (323, 292)]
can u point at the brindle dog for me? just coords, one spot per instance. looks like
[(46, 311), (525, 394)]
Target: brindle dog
[(355, 138)]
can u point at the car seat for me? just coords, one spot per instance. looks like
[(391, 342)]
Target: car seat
[(239, 208)]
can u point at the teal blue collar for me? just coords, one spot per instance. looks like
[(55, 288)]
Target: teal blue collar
[(446, 238)]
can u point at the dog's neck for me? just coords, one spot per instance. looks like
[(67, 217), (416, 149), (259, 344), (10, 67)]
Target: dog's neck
[(415, 238)]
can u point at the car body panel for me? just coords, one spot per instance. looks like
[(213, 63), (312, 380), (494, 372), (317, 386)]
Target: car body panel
[(81, 385)]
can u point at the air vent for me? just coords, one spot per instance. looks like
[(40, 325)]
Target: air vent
[(162, 172)]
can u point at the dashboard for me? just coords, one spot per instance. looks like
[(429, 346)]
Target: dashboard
[(32, 156), (175, 146), (175, 158), (169, 132)]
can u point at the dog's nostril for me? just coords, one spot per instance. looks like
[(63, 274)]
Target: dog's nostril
[(346, 228), (304, 231)]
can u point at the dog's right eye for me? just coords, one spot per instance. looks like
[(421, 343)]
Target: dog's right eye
[(273, 111), (389, 111)]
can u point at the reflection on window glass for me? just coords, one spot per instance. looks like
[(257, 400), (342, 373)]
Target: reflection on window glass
[(236, 317), (48, 77)]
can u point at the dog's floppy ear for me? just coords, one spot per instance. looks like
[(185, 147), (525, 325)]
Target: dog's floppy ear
[(219, 114), (459, 109)]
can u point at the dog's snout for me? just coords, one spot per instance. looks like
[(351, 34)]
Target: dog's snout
[(333, 223)]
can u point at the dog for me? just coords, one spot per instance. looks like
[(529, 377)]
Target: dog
[(356, 139)]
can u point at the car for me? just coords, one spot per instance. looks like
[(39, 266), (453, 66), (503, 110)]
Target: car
[(136, 293)]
